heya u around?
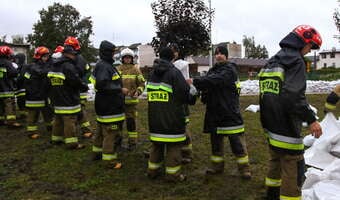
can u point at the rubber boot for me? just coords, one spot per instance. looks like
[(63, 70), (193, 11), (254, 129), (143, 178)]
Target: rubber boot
[(273, 193)]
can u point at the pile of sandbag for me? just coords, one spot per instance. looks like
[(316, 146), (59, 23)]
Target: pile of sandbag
[(323, 177)]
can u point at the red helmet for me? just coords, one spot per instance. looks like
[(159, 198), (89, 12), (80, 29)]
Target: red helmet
[(309, 35), (6, 50), (59, 49), (40, 51), (72, 41)]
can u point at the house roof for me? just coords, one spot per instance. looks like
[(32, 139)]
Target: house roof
[(251, 62), (330, 51), (15, 45)]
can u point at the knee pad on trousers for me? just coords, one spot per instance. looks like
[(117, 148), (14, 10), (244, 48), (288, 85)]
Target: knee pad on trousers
[(236, 145), (130, 124)]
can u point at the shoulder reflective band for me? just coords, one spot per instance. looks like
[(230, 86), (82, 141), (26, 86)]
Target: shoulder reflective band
[(285, 142), (230, 129), (27, 75), (107, 156), (56, 75), (115, 76), (282, 197), (92, 79), (272, 72), (158, 96), (67, 109), (2, 69), (34, 104), (172, 170), (158, 86), (269, 85), (270, 182), (6, 94), (216, 159), (330, 106), (126, 76), (154, 166), (167, 138), (111, 118)]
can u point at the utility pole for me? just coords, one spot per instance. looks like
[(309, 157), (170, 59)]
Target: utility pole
[(211, 46)]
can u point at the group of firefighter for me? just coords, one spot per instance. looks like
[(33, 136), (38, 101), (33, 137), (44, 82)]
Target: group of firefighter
[(56, 87)]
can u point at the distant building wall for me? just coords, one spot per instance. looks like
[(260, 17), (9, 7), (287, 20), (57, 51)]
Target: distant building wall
[(146, 55), (329, 59)]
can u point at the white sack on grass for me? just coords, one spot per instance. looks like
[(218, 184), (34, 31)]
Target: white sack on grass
[(319, 154), (253, 108), (308, 140)]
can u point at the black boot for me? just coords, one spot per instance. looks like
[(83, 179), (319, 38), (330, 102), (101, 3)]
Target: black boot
[(273, 193)]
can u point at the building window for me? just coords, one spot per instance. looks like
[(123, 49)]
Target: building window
[(323, 55), (332, 55), (325, 65)]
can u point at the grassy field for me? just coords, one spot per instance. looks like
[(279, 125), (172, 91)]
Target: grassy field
[(34, 169)]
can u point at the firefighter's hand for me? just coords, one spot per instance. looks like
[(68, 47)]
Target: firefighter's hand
[(315, 129), (189, 81), (125, 91)]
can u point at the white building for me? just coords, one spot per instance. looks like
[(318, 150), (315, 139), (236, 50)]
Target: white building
[(329, 58)]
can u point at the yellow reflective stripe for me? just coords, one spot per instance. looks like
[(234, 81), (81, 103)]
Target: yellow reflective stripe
[(154, 166), (129, 100), (330, 106), (57, 138), (172, 170), (85, 124), (187, 119), (167, 138), (140, 89), (286, 145), (243, 160), (56, 75), (230, 130), (67, 109), (273, 182), (126, 76), (157, 86), (284, 142), (83, 95), (111, 118), (92, 79), (272, 74), (6, 94), (109, 157), (133, 134), (96, 149), (269, 85), (20, 94), (141, 78), (216, 159), (158, 96), (34, 104), (27, 75), (87, 67), (289, 198), (31, 128), (115, 77), (10, 117), (2, 69), (71, 140)]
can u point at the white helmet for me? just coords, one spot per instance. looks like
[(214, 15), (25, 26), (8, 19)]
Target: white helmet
[(127, 52)]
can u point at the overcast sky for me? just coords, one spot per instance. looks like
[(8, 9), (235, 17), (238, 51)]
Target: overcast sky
[(131, 21)]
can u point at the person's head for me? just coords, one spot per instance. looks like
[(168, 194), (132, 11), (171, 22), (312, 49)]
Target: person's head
[(176, 50), (41, 53), (72, 41), (166, 53), (69, 52), (58, 52), (6, 52), (127, 56), (303, 38), (107, 51), (221, 54)]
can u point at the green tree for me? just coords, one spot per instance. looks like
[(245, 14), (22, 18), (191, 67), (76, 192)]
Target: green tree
[(253, 51), (58, 22), (336, 17), (184, 22), (18, 39)]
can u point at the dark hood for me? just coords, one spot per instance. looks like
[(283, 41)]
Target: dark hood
[(287, 57), (292, 41), (161, 66), (20, 58), (105, 51)]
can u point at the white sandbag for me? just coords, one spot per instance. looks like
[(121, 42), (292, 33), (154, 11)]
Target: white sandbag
[(308, 140), (253, 108), (335, 148), (318, 155), (327, 190)]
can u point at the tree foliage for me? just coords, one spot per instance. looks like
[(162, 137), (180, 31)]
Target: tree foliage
[(336, 17), (58, 22), (252, 50), (184, 22)]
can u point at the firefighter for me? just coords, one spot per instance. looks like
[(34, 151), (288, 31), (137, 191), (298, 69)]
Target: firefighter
[(168, 92), (183, 66), (332, 99), (133, 80), (283, 108), (65, 86), (83, 69), (109, 106), (20, 94), (223, 117), (58, 52), (35, 81), (7, 78)]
